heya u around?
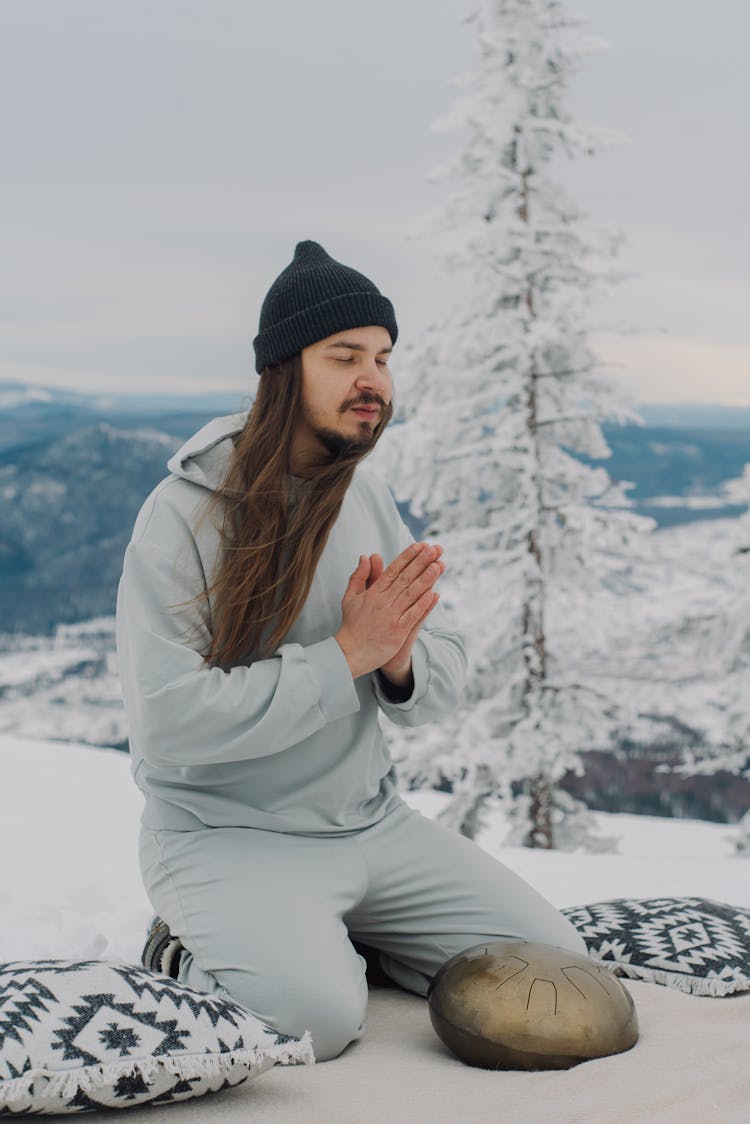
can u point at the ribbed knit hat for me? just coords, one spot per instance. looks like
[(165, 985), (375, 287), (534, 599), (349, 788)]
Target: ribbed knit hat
[(313, 298)]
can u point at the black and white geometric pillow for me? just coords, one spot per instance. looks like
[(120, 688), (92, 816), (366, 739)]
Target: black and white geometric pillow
[(693, 944), (80, 1036)]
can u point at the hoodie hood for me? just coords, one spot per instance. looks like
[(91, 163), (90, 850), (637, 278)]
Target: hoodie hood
[(204, 457)]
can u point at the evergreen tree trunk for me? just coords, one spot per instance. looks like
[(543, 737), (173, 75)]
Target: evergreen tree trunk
[(540, 832), (540, 788)]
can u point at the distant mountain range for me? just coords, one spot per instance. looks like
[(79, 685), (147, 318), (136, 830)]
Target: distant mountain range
[(690, 415), (66, 511), (678, 474), (74, 470), (32, 416)]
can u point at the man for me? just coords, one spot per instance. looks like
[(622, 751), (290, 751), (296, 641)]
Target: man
[(254, 666)]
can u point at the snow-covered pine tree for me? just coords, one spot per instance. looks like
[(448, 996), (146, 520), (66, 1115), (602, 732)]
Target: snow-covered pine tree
[(497, 403)]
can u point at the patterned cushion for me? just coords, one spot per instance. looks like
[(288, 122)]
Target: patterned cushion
[(81, 1036), (696, 945)]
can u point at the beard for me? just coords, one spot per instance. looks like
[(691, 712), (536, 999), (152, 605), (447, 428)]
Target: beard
[(338, 446)]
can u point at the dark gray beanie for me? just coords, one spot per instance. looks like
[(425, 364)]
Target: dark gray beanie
[(313, 298)]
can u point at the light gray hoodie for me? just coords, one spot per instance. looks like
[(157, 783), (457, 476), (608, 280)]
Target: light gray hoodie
[(289, 743)]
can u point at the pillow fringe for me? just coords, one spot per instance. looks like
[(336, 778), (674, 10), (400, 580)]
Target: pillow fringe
[(15, 1087), (293, 1053), (711, 986), (65, 1084)]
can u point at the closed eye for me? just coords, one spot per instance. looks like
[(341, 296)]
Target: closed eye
[(350, 359)]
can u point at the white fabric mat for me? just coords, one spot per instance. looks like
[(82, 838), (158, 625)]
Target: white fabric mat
[(690, 1065)]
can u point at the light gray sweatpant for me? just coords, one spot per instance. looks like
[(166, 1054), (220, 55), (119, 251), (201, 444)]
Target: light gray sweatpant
[(267, 917)]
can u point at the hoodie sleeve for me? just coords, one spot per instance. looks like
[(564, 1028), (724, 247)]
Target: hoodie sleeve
[(438, 659), (182, 712)]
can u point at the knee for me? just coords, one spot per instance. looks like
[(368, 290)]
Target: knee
[(333, 1010), (335, 1018)]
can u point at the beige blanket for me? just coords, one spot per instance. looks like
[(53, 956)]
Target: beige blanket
[(692, 1064)]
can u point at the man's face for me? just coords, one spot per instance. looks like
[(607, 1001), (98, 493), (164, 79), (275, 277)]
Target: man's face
[(346, 386)]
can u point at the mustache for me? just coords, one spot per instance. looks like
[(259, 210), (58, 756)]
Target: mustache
[(364, 400)]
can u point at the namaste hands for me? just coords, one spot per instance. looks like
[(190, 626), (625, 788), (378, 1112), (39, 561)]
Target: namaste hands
[(384, 609)]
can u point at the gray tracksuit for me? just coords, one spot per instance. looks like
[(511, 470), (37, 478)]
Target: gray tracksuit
[(289, 743), (272, 831)]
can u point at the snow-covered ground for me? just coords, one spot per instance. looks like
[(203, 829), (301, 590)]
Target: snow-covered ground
[(70, 885)]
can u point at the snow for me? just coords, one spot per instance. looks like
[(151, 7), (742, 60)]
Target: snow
[(694, 503), (71, 886), (39, 665), (69, 819), (13, 395), (64, 687), (145, 433)]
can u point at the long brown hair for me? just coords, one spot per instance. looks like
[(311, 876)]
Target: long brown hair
[(272, 528)]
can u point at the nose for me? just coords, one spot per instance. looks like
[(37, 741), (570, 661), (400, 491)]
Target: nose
[(372, 376)]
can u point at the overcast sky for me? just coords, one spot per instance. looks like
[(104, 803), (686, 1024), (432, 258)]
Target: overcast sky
[(161, 158)]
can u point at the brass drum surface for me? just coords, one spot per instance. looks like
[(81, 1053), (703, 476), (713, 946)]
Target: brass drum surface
[(523, 1005)]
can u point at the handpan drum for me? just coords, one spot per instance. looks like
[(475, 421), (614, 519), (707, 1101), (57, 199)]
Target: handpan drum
[(521, 1005)]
